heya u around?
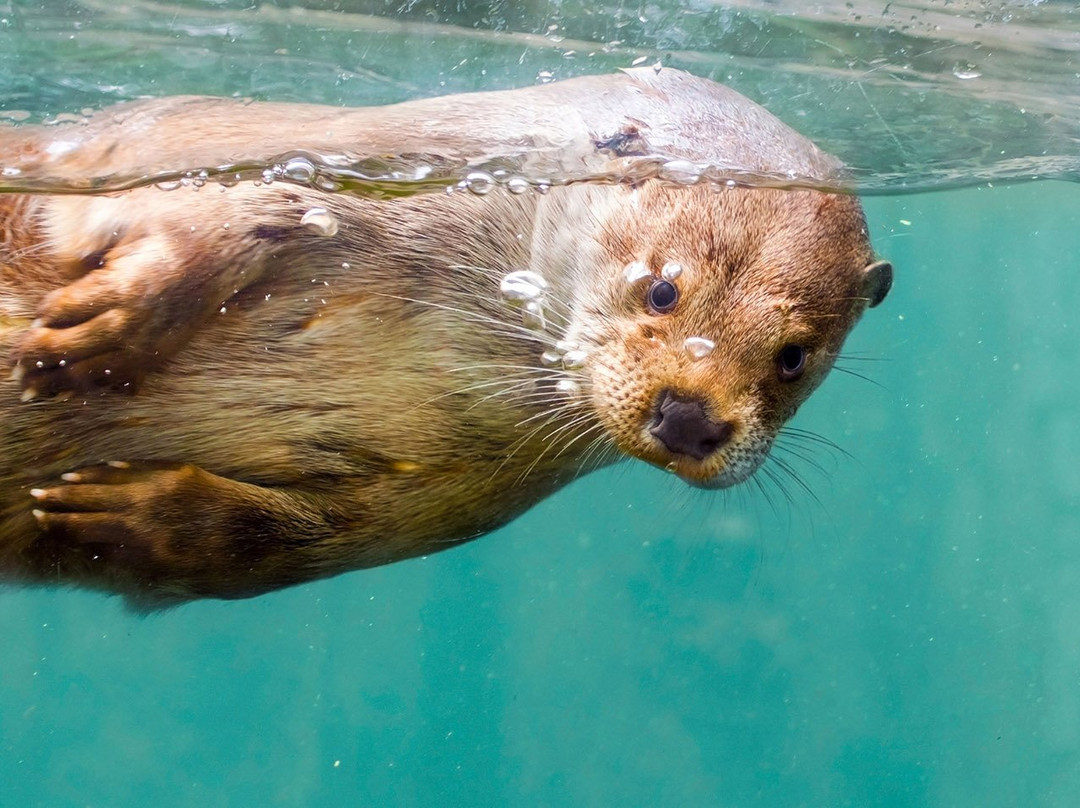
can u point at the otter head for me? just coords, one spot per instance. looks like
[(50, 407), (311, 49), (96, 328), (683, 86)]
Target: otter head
[(717, 315)]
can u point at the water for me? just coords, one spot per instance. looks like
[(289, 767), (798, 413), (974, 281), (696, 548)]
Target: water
[(907, 636)]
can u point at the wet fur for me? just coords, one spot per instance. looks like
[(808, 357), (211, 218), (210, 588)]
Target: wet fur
[(299, 405)]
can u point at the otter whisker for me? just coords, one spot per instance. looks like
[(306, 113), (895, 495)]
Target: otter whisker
[(568, 406), (497, 275), (519, 330), (857, 375), (812, 437), (481, 385), (803, 456), (787, 469), (549, 444)]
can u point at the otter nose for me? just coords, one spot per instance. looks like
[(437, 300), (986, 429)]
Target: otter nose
[(684, 428)]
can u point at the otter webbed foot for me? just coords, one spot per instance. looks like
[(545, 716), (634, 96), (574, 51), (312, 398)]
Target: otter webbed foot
[(179, 529)]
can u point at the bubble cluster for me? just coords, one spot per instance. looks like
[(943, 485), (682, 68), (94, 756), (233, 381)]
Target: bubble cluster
[(526, 290)]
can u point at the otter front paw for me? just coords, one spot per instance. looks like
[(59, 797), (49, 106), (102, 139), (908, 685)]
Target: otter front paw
[(59, 354), (104, 330)]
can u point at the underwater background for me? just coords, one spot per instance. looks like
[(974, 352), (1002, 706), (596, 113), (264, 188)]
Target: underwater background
[(904, 633)]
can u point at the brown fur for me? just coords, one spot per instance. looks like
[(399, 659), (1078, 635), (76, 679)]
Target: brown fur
[(301, 404)]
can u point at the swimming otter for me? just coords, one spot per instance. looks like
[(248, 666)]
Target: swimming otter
[(317, 382)]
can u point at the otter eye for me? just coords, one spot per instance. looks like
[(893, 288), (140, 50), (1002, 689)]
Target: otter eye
[(662, 297), (790, 362)]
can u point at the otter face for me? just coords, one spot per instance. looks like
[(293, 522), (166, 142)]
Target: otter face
[(723, 312)]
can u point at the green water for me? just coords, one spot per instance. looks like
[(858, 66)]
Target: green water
[(908, 636)]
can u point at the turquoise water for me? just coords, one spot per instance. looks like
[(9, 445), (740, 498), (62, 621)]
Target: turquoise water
[(909, 635)]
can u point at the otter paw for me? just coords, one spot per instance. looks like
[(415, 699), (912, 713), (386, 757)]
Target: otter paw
[(54, 357), (140, 507), (108, 327)]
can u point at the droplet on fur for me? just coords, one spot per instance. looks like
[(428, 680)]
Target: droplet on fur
[(636, 271), (671, 270), (550, 359), (522, 286), (517, 185), (699, 347), (479, 182), (568, 387), (574, 360), (320, 221), (532, 316), (682, 172), (299, 169)]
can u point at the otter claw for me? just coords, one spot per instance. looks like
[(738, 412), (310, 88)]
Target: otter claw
[(17, 373), (29, 394)]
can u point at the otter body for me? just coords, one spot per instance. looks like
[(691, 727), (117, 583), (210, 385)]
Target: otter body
[(218, 392)]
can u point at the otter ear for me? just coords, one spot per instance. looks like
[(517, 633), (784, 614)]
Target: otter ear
[(876, 282)]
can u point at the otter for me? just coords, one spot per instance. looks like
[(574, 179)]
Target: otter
[(219, 392)]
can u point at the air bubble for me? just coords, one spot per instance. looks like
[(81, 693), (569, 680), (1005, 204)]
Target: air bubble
[(966, 72), (681, 171), (320, 221), (171, 185), (671, 270), (568, 387), (268, 176), (699, 347), (522, 286), (532, 316), (479, 182), (543, 186), (574, 360), (636, 271), (517, 185), (299, 169)]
